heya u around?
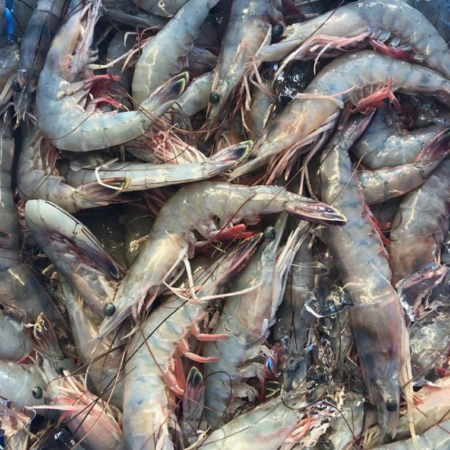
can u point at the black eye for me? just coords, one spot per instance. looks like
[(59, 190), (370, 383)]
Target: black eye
[(214, 97), (109, 309), (16, 87), (326, 444), (277, 31), (37, 392), (270, 233), (391, 405)]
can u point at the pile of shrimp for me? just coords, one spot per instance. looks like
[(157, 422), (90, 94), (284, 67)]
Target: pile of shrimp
[(224, 225)]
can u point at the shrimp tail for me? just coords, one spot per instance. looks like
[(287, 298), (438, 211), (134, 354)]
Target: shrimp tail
[(102, 194), (230, 157), (314, 211), (45, 337), (437, 149), (193, 399)]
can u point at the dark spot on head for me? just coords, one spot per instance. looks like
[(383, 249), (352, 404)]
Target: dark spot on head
[(37, 392), (277, 31), (109, 309), (391, 405), (214, 97), (270, 233)]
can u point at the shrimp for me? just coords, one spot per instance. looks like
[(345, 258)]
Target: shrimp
[(266, 427), (419, 226), (60, 97), (248, 28), (383, 184), (15, 343), (246, 318), (91, 420), (74, 251), (19, 288), (315, 112), (383, 146), (392, 27), (102, 363), (376, 317), (21, 383), (165, 55), (153, 355), (150, 176), (35, 44), (38, 178), (193, 208)]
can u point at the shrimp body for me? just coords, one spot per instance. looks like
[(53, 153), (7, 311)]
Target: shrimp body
[(246, 318), (392, 22), (196, 96), (420, 224), (35, 44), (383, 146), (376, 317), (9, 61), (249, 26), (38, 178), (62, 116), (165, 55), (194, 207), (154, 353), (348, 78), (15, 343), (75, 251), (383, 184), (142, 176), (264, 428)]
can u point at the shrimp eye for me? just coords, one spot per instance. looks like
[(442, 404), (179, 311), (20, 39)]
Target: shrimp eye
[(326, 444), (391, 405), (109, 309), (37, 392), (214, 97), (277, 31), (270, 233), (16, 87)]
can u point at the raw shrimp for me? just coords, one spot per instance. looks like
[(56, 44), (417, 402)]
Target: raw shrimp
[(390, 26), (249, 26), (383, 146), (314, 113), (246, 318), (165, 55), (38, 178), (154, 352), (15, 342), (35, 44), (74, 251), (142, 176), (20, 290), (62, 115), (419, 226), (102, 364), (383, 184), (21, 383), (376, 316), (266, 427), (201, 61), (194, 207)]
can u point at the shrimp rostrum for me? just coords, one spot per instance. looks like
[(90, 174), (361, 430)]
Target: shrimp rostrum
[(63, 113)]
